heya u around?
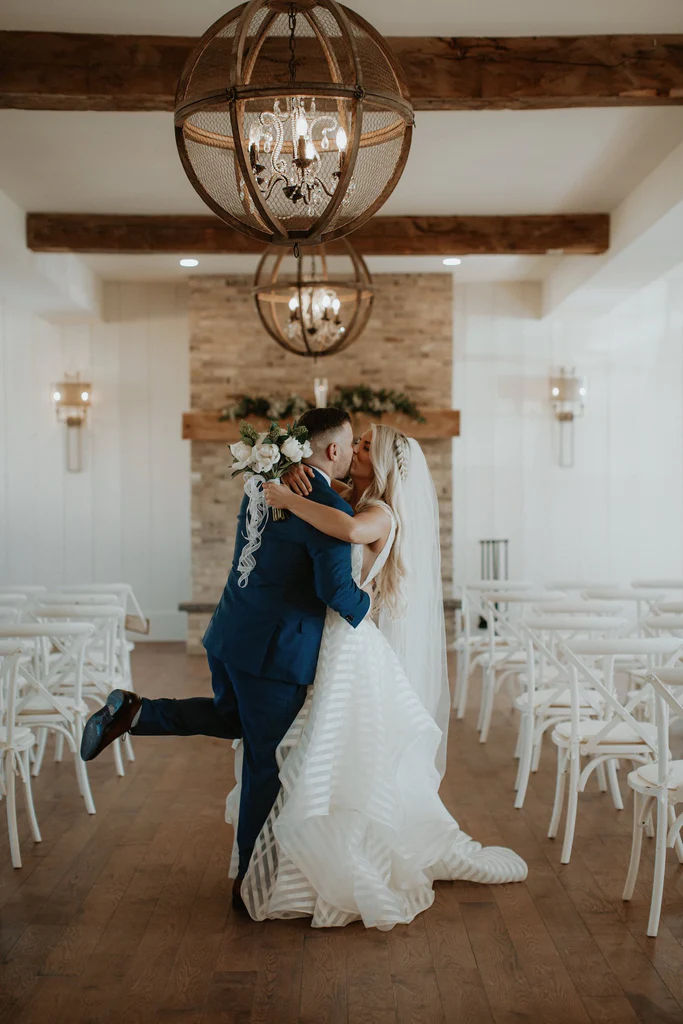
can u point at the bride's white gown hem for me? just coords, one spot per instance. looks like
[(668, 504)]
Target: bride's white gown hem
[(359, 831)]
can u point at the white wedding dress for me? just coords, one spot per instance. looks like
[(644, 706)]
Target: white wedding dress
[(358, 831)]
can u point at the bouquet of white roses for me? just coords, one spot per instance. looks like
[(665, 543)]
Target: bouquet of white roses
[(261, 457)]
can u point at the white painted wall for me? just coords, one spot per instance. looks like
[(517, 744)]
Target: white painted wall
[(127, 516), (619, 513)]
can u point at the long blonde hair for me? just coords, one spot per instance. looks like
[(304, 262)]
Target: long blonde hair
[(389, 454)]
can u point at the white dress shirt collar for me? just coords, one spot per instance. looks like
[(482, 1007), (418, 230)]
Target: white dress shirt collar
[(323, 475)]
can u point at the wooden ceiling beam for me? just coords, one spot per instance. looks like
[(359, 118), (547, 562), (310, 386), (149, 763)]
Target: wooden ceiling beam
[(382, 236), (70, 71)]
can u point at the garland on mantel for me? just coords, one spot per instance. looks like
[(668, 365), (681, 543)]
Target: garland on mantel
[(353, 399)]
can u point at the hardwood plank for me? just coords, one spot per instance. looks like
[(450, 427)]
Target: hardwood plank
[(127, 915), (323, 985), (610, 1010), (76, 71), (554, 992), (368, 979), (641, 983), (533, 235), (463, 995), (508, 991), (231, 998)]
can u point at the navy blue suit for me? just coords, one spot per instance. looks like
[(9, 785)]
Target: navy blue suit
[(262, 645)]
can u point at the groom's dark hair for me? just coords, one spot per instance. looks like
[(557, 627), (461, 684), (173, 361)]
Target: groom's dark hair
[(322, 424)]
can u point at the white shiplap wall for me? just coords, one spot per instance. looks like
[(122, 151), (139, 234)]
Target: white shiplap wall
[(127, 516), (619, 513)]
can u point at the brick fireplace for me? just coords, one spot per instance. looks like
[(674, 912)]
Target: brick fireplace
[(408, 345)]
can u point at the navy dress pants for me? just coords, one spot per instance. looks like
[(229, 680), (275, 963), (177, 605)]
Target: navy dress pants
[(257, 711)]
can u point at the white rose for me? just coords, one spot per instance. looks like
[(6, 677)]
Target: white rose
[(306, 451), (264, 457), (241, 452), (292, 450)]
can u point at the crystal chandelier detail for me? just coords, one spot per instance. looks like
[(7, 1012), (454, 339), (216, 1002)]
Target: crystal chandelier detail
[(293, 120), (316, 305)]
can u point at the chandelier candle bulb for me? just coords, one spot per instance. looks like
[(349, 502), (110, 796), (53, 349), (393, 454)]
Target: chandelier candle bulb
[(258, 102), (309, 308)]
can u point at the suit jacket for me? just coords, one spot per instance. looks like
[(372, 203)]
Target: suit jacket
[(272, 628)]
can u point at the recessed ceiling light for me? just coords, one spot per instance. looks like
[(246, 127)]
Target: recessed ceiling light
[(189, 263), (452, 261)]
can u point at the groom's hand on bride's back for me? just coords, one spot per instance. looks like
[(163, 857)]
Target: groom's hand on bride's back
[(298, 479)]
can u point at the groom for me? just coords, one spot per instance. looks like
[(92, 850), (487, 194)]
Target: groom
[(262, 643)]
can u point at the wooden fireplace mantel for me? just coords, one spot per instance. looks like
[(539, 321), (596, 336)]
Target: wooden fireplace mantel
[(207, 426)]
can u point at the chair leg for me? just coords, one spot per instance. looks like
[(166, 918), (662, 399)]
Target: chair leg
[(488, 697), (40, 752), (538, 747), (59, 747), (560, 786), (649, 825), (81, 769), (678, 842), (572, 805), (12, 828), (463, 682), (128, 745), (639, 801), (601, 776), (519, 741), (524, 769), (660, 864), (118, 758), (28, 797), (614, 785)]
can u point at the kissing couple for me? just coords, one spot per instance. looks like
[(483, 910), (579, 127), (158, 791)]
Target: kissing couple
[(330, 667)]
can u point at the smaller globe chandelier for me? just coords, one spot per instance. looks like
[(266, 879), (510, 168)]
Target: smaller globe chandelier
[(315, 305), (293, 120)]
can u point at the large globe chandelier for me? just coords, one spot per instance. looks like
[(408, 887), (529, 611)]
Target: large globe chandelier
[(315, 305), (293, 120)]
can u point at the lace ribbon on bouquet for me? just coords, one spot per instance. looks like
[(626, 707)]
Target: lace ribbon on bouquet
[(257, 516)]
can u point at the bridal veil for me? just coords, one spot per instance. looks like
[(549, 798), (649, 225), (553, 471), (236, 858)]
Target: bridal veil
[(418, 635)]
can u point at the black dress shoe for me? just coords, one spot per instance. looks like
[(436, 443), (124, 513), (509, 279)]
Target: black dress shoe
[(110, 722), (238, 904)]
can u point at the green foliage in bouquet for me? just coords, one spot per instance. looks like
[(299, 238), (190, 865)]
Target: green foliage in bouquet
[(359, 398)]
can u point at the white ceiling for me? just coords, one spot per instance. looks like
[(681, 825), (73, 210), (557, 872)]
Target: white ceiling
[(490, 162), (165, 267), (392, 17)]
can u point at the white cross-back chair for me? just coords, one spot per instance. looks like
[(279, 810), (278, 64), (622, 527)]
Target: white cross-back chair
[(658, 584), (101, 663), (17, 603), (661, 783), (51, 685), (16, 742), (8, 615), (31, 590), (659, 625), (506, 654), (577, 586), (620, 735), (578, 606), (472, 643), (642, 601), (546, 699)]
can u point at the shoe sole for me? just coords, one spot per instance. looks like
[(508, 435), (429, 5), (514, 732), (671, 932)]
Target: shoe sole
[(91, 741)]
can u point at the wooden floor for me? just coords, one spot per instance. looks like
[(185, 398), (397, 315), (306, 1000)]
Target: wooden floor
[(125, 916)]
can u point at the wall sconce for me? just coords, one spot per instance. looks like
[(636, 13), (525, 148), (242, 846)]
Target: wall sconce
[(72, 398), (320, 389), (567, 394)]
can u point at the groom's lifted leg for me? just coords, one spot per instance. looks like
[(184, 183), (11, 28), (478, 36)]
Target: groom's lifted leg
[(194, 716)]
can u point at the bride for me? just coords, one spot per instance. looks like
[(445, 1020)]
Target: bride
[(358, 830)]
